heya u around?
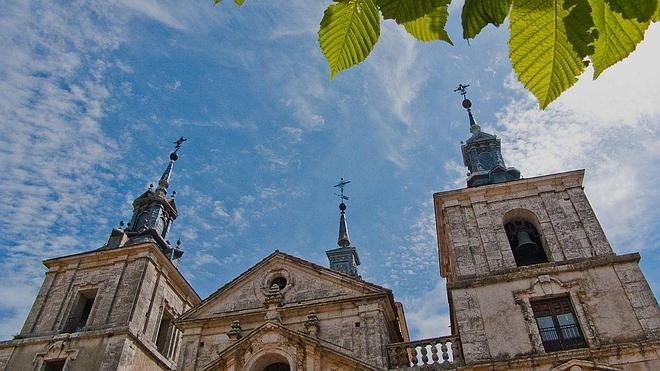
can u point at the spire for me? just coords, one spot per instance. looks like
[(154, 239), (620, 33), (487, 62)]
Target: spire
[(164, 181), (481, 152), (467, 104), (153, 215), (344, 259), (343, 240)]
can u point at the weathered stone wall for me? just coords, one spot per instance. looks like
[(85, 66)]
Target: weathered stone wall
[(495, 320), (472, 222), (134, 289), (349, 316), (359, 329)]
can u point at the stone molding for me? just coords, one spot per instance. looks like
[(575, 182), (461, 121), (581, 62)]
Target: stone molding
[(544, 268)]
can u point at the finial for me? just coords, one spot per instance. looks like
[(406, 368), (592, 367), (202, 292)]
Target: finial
[(467, 104), (343, 240), (342, 183), (164, 181), (174, 156)]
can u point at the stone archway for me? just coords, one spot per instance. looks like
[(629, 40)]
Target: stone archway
[(279, 366), (273, 360)]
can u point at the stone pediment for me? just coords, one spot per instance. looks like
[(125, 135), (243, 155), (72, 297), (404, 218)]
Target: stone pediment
[(303, 283), (273, 342)]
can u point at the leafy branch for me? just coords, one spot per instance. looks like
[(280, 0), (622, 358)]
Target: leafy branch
[(550, 43)]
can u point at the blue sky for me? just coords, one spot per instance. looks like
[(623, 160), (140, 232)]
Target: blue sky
[(92, 94)]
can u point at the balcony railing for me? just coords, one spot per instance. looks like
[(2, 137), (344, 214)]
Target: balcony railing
[(443, 351)]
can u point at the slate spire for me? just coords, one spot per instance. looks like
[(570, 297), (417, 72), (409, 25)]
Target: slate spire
[(343, 240), (482, 153), (153, 215), (344, 259)]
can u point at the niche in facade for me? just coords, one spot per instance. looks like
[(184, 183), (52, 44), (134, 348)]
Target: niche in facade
[(525, 242)]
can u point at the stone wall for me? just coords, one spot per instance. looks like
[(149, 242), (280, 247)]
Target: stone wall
[(134, 287), (472, 237), (495, 320)]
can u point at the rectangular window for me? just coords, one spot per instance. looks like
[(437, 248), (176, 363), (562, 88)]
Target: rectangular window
[(55, 365), (80, 312), (166, 337), (557, 324)]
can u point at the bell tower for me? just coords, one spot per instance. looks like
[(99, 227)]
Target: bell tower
[(532, 280), (113, 307)]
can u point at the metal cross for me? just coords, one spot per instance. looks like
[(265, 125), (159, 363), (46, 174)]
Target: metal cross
[(462, 90), (342, 183), (178, 143)]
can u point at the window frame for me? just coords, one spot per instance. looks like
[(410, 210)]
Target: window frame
[(553, 308), (74, 323)]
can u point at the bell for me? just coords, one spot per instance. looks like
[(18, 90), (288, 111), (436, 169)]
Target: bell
[(526, 247)]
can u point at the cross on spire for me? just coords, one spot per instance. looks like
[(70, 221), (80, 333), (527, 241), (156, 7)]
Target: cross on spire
[(462, 90), (342, 183)]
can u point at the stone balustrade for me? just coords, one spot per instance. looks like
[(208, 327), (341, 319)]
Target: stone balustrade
[(435, 353)]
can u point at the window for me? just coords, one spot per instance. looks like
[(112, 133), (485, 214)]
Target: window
[(280, 282), (54, 365), (557, 324), (525, 242), (80, 312), (167, 335)]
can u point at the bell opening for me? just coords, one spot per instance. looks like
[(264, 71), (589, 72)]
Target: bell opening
[(525, 243)]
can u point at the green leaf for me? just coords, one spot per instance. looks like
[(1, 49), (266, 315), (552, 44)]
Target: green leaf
[(478, 13), (403, 11), (430, 27), (540, 52), (239, 2), (580, 28), (642, 10), (656, 15), (618, 37), (348, 32)]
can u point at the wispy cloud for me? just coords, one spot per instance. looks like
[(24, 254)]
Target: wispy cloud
[(55, 161), (155, 10)]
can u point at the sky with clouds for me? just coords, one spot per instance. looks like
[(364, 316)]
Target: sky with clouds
[(92, 94)]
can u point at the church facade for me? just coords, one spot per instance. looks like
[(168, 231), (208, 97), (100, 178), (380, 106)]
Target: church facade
[(532, 284)]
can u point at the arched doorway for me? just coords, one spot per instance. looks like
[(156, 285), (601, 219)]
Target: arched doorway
[(271, 360), (279, 366)]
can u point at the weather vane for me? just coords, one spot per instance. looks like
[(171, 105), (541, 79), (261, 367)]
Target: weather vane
[(462, 90), (342, 183), (178, 143)]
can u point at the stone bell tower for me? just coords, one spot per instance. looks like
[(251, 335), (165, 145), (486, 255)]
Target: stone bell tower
[(111, 308), (532, 280)]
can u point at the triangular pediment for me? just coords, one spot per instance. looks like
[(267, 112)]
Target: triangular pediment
[(306, 283), (274, 339)]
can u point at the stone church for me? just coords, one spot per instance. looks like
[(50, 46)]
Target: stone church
[(532, 284)]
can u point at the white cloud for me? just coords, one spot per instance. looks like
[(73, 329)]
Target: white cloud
[(155, 10), (55, 160), (428, 315)]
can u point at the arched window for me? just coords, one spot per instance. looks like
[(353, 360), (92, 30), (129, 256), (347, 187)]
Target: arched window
[(280, 282), (525, 242), (140, 221)]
